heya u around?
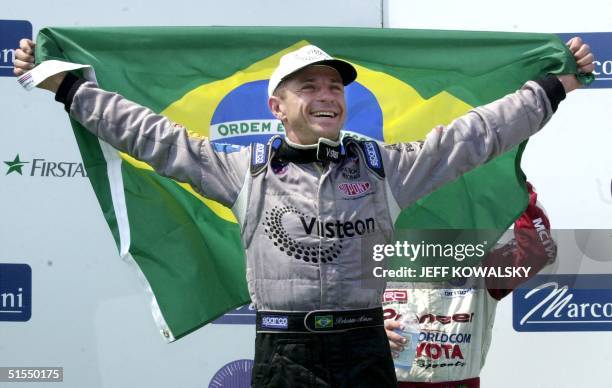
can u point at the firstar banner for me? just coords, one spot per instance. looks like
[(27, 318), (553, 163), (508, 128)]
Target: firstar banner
[(213, 81)]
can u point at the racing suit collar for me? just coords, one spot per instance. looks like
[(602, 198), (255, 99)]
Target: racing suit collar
[(324, 151)]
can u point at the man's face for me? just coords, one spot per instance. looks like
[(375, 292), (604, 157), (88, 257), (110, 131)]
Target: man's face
[(311, 104)]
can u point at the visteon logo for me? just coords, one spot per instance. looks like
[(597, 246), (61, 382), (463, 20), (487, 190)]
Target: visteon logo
[(41, 167), (287, 226)]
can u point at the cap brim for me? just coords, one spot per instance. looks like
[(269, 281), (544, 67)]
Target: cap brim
[(345, 69)]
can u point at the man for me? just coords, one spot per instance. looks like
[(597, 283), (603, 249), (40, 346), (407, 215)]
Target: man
[(302, 233), (455, 320)]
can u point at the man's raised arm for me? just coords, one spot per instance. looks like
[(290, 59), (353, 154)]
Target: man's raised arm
[(418, 168), (215, 171)]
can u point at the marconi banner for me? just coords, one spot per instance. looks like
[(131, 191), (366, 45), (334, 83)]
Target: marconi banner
[(10, 33)]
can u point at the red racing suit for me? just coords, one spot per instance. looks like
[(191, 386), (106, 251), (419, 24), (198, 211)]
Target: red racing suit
[(456, 323)]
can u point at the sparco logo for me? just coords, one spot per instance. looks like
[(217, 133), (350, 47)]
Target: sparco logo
[(372, 154), (44, 168), (275, 322), (260, 152), (353, 189), (275, 227)]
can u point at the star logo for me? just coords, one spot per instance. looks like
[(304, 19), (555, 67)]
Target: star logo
[(15, 165)]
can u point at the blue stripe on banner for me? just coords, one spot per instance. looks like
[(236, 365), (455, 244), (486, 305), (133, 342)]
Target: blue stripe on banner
[(11, 31), (15, 292), (563, 303), (244, 315)]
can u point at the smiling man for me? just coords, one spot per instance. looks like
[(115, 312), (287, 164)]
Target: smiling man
[(310, 97), (307, 202)]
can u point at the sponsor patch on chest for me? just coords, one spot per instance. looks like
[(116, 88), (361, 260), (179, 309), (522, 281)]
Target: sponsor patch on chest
[(395, 296), (351, 172), (353, 189)]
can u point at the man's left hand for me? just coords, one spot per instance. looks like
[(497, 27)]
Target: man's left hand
[(584, 61)]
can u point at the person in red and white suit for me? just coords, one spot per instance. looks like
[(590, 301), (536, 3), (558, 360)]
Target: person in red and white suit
[(455, 324)]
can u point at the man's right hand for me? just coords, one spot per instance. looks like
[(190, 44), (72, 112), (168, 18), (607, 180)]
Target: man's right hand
[(396, 341), (24, 62)]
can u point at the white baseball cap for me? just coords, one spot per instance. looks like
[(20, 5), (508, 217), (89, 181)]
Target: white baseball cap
[(306, 56)]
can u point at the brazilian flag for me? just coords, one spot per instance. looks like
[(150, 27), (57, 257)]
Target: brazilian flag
[(213, 81)]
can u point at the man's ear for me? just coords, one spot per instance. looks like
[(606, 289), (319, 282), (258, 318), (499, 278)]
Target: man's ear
[(275, 104)]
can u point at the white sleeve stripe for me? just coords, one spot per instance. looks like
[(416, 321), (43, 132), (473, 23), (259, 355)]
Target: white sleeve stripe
[(240, 206), (392, 205)]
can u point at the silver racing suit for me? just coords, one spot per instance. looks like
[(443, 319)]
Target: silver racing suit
[(303, 217)]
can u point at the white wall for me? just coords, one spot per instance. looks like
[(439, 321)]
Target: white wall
[(481, 15)]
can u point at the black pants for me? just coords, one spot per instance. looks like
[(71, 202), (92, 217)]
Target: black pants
[(356, 358)]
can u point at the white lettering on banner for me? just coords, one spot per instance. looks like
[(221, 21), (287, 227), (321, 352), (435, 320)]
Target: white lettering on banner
[(245, 128), (8, 56), (8, 299), (596, 310), (604, 67), (556, 306), (559, 299)]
